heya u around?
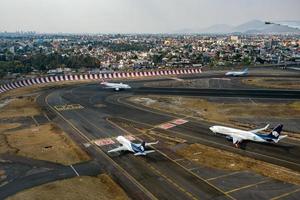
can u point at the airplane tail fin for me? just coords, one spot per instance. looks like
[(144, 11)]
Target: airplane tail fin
[(143, 144), (275, 133)]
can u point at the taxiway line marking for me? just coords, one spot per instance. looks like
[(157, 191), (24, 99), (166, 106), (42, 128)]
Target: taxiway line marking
[(247, 186), (210, 179), (141, 187), (191, 172), (47, 117), (36, 123), (285, 194), (74, 170)]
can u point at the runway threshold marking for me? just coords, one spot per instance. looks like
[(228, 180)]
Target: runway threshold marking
[(74, 170), (68, 107), (172, 123), (84, 137)]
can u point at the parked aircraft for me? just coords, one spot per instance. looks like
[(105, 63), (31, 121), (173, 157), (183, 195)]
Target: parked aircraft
[(137, 149), (115, 86), (237, 135), (237, 73)]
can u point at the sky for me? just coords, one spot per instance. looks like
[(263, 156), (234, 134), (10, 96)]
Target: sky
[(137, 16)]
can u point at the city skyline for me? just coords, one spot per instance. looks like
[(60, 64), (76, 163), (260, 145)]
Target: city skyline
[(133, 16)]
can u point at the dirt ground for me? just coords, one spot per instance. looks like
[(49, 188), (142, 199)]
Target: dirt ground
[(218, 112), (79, 188), (220, 159), (20, 107), (45, 142), (282, 83)]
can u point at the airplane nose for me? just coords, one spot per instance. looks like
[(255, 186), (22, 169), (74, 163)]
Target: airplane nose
[(212, 129)]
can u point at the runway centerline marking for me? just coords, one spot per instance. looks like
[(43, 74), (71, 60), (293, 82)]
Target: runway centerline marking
[(74, 170)]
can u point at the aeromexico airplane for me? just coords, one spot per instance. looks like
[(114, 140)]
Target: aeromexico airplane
[(137, 149), (237, 135), (237, 73)]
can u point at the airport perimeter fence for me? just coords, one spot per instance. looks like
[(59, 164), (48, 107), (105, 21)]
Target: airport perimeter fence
[(101, 76)]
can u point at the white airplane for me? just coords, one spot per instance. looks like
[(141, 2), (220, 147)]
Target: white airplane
[(237, 73), (115, 86), (238, 135), (137, 149)]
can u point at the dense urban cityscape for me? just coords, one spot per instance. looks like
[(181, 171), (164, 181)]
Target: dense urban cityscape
[(30, 54)]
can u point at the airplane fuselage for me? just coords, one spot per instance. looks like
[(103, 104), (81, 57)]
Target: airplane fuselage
[(232, 132)]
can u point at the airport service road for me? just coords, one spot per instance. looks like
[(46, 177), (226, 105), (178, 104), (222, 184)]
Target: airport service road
[(88, 113)]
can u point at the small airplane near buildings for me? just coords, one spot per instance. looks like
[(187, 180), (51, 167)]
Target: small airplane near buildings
[(115, 86), (238, 136), (237, 73), (137, 149)]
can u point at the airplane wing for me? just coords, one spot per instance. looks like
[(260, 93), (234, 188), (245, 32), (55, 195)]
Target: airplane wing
[(260, 129), (144, 153), (120, 148), (236, 140), (150, 143)]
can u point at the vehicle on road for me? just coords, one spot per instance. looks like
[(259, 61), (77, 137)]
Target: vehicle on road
[(115, 86), (237, 73), (137, 149), (238, 136)]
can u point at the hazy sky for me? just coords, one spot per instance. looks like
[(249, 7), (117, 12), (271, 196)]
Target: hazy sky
[(103, 16)]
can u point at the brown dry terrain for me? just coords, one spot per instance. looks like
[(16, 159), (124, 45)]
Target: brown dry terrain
[(218, 112), (20, 107), (79, 188), (282, 83), (221, 159), (45, 142)]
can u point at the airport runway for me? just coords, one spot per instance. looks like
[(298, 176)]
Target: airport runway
[(98, 114)]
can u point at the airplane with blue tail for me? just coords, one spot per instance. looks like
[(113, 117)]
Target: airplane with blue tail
[(238, 136), (137, 149)]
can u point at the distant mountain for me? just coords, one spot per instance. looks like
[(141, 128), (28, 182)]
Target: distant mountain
[(251, 27), (218, 28)]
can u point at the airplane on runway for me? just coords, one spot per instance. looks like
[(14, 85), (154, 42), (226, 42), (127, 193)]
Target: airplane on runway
[(115, 86), (137, 149), (237, 135), (237, 73)]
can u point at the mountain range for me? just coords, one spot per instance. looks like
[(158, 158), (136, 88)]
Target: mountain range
[(251, 27)]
